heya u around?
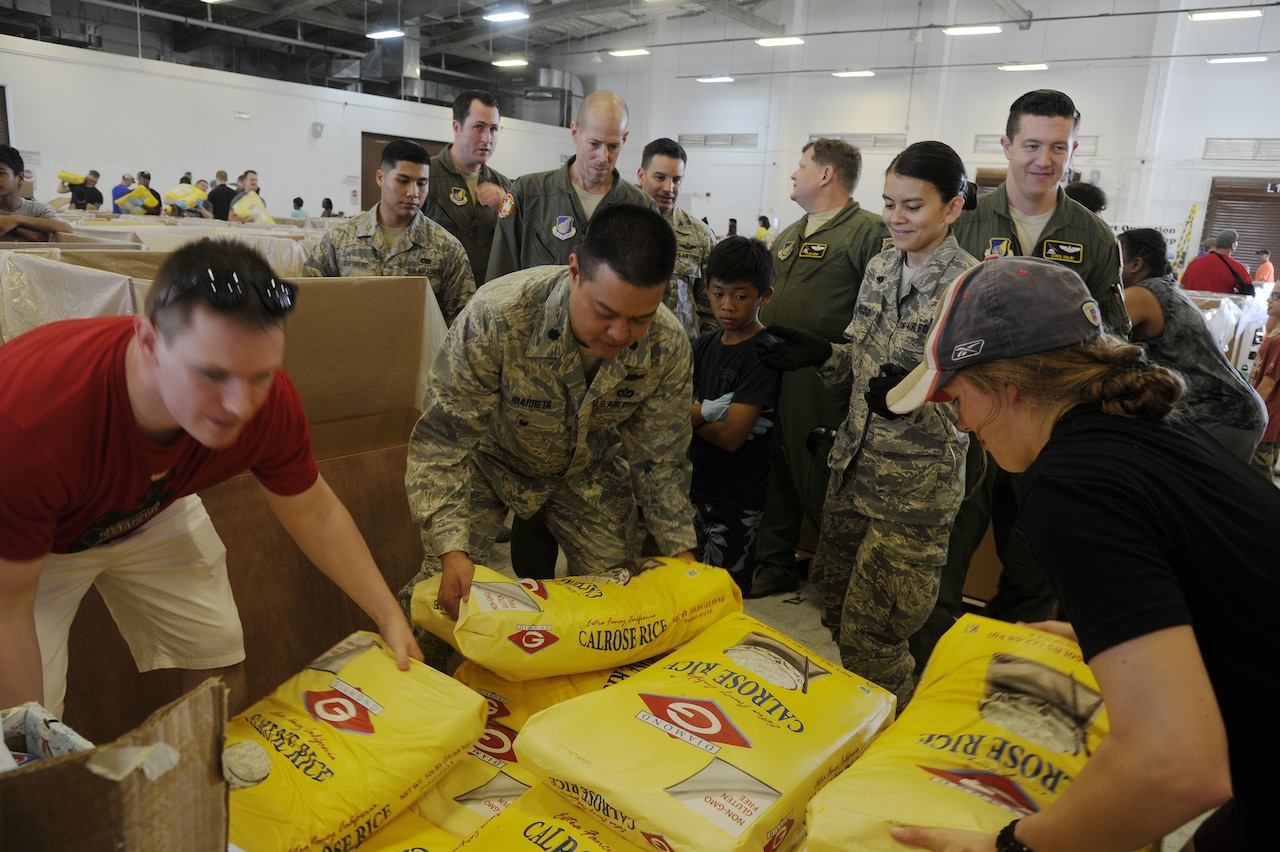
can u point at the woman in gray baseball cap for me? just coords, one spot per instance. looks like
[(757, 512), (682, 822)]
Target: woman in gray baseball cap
[(1159, 542)]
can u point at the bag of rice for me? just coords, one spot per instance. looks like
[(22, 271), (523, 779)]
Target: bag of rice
[(137, 200), (525, 629), (512, 702), (342, 747), (71, 178), (185, 196), (718, 746), (1004, 718), (251, 207), (542, 821), (410, 833)]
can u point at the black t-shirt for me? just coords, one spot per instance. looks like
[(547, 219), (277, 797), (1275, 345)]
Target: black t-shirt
[(220, 200), (740, 478), (82, 196), (1145, 525)]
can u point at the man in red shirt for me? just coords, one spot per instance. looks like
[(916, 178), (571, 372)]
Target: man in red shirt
[(1217, 271), (108, 429)]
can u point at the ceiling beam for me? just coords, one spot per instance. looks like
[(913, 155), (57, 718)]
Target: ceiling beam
[(734, 12), (1014, 10)]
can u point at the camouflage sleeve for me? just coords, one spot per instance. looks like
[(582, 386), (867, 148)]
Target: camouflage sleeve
[(504, 257), (460, 398), (838, 369), (457, 285), (1104, 284), (657, 440), (323, 261)]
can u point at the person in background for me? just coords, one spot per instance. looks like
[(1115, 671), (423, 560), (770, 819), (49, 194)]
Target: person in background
[(548, 383), (326, 208), (119, 190), (1265, 377), (23, 218), (220, 196), (733, 228), (764, 233), (84, 196), (298, 212), (1160, 544), (144, 178), (661, 175), (248, 183), (1087, 195), (896, 482), (733, 410), (102, 477), (819, 263), (1174, 332), (1266, 272), (1217, 271), (464, 192), (395, 237)]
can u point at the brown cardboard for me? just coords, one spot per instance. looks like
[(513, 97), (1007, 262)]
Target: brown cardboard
[(59, 803), (107, 238), (135, 264)]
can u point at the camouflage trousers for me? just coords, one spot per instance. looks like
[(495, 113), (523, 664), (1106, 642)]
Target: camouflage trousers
[(595, 535), (879, 580)]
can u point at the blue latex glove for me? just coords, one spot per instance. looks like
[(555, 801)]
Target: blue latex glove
[(762, 425), (715, 410)]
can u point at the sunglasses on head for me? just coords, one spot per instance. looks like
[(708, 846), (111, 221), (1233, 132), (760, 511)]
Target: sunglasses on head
[(227, 289)]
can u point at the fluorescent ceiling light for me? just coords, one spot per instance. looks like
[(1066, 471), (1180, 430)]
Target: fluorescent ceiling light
[(1227, 60), (510, 63), (1225, 15), (389, 32), (980, 30), (506, 17), (635, 51), (723, 78), (781, 41), (211, 2), (853, 73), (1026, 66)]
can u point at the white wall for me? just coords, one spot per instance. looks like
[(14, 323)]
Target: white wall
[(81, 109)]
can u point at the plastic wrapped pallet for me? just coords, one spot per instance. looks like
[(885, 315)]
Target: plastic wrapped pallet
[(525, 629), (345, 745), (1004, 718), (512, 702), (718, 746), (542, 820)]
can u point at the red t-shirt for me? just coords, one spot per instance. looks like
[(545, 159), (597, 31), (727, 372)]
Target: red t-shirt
[(77, 471), (1209, 273)]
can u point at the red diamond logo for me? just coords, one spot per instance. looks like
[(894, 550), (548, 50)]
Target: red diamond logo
[(533, 641), (657, 841), (535, 586), (780, 834), (498, 741), (698, 716), (992, 787), (339, 711)]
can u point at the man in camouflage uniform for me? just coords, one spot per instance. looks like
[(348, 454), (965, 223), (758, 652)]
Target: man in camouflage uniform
[(1029, 214), (660, 174), (395, 238), (554, 387), (818, 267), (543, 217), (464, 193)]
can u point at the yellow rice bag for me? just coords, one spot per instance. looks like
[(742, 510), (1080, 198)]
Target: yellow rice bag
[(70, 178), (512, 702), (351, 742), (409, 832), (541, 821), (1004, 718), (481, 785), (525, 629), (717, 746), (185, 195), (136, 199), (252, 208)]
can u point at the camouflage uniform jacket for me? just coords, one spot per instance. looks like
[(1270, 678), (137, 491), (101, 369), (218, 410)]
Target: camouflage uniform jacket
[(359, 247), (694, 241), (508, 393), (910, 470), (451, 204), (541, 220), (1073, 236)]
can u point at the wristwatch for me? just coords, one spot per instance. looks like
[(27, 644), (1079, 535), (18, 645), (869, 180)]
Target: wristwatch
[(1006, 842)]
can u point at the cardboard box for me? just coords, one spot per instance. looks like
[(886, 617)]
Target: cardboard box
[(104, 799)]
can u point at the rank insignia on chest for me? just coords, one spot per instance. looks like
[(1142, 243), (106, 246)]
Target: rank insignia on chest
[(785, 251), (813, 251), (1063, 252), (508, 206), (458, 195), (999, 247), (564, 228)]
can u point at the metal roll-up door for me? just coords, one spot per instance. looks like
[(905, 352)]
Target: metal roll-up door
[(1250, 206)]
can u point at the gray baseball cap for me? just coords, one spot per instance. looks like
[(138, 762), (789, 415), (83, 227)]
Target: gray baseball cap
[(1001, 308)]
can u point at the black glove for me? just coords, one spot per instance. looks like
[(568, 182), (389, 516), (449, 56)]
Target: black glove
[(793, 349), (879, 386)]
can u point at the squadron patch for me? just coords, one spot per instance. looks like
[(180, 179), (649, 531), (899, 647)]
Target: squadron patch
[(508, 206), (564, 228), (999, 247), (813, 251), (1063, 252), (458, 195), (785, 251)]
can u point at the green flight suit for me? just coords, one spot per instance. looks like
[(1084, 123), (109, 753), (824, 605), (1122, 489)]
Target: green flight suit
[(451, 203)]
